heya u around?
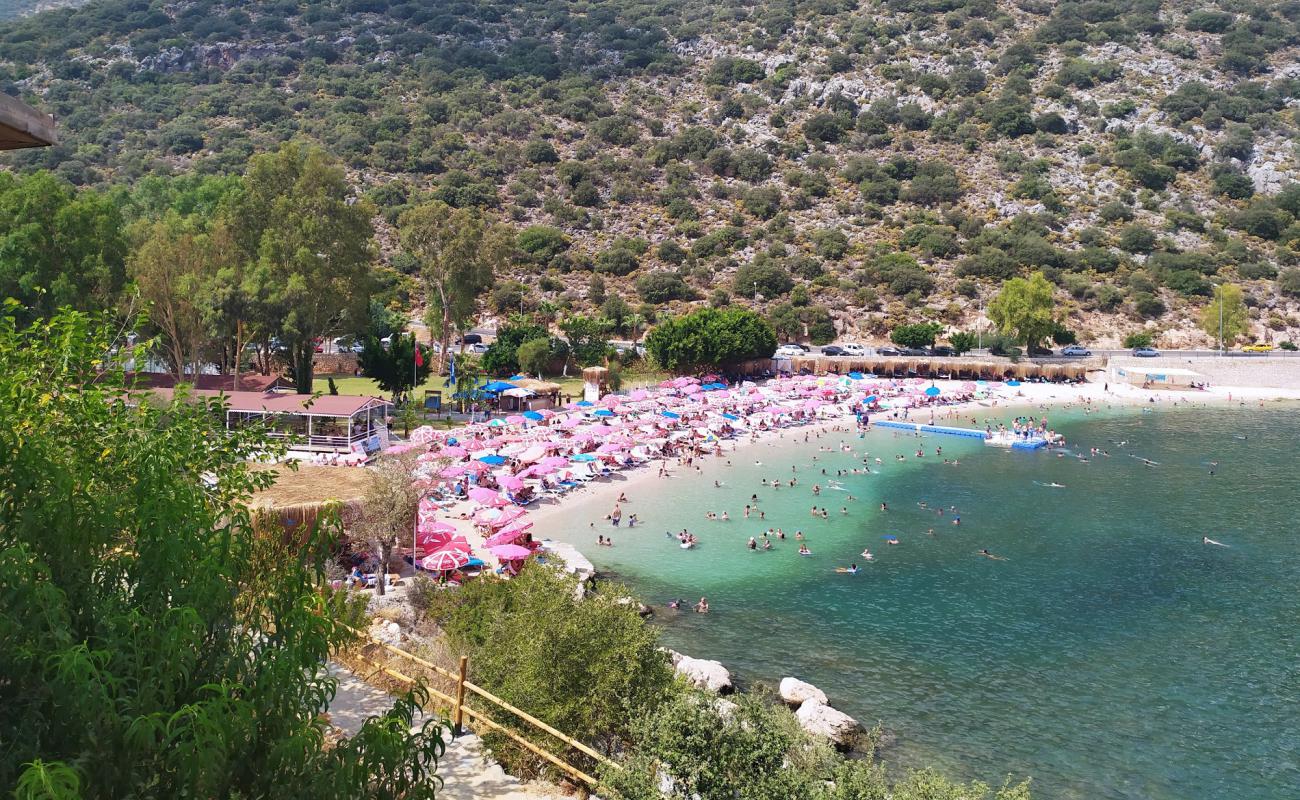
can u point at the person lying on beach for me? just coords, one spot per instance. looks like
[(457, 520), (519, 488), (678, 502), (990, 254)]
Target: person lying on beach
[(987, 554)]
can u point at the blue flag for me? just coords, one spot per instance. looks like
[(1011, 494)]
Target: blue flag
[(451, 374)]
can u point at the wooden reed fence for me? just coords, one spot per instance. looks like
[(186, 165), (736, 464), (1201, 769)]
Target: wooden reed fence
[(454, 700)]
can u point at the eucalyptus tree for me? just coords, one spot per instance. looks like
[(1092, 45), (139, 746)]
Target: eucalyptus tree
[(309, 243), (459, 251)]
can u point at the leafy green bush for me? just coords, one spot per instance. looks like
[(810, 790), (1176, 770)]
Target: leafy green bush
[(589, 667), (766, 278), (728, 71), (1138, 339), (710, 337), (917, 334), (662, 287)]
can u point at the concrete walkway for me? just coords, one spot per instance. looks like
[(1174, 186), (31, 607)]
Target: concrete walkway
[(466, 770)]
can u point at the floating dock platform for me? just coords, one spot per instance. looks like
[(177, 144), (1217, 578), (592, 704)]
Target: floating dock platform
[(1000, 439), (917, 427)]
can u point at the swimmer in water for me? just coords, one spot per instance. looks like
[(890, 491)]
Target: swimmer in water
[(987, 554), (866, 554), (1208, 540)]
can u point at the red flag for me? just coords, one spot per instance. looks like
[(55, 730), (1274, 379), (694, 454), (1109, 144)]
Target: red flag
[(419, 357)]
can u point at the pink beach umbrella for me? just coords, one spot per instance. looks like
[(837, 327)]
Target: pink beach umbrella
[(507, 535), (511, 483), (455, 470), (510, 552), (483, 495), (452, 451), (514, 419), (443, 560), (432, 527), (432, 541)]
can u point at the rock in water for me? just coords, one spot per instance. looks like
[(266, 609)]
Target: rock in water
[(820, 719), (704, 674), (795, 692)]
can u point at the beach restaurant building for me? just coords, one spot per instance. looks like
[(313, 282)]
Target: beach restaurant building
[(332, 423)]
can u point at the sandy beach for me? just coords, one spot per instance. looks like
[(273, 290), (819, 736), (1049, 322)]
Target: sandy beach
[(568, 522)]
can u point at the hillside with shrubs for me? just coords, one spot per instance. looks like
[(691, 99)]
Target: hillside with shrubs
[(843, 167)]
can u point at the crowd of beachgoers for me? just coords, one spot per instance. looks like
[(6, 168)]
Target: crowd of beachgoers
[(486, 484), (481, 481)]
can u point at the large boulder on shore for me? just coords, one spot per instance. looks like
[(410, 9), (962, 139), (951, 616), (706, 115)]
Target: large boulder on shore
[(820, 719), (704, 674), (794, 692)]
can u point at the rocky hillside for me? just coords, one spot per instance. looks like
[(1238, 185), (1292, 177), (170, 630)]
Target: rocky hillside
[(844, 166)]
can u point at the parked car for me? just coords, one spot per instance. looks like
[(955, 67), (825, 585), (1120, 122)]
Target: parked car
[(789, 351), (802, 347), (1146, 352), (470, 338), (832, 350), (852, 349), (942, 350), (912, 351), (477, 347), (1258, 347), (1075, 350), (888, 350)]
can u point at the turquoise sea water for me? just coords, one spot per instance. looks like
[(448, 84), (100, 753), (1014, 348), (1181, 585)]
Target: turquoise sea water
[(1111, 655)]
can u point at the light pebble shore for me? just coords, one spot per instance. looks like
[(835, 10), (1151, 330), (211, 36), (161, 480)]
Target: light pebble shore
[(550, 518)]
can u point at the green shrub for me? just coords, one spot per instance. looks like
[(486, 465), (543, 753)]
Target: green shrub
[(1138, 339), (662, 287)]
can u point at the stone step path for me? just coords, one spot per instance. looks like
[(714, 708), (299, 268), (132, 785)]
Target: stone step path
[(468, 773)]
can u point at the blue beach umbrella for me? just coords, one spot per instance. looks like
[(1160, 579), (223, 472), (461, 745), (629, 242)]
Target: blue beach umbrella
[(1013, 383), (732, 417), (670, 414), (871, 398), (584, 404), (981, 382), (497, 386), (493, 461), (933, 391), (582, 457), (857, 376), (533, 415), (604, 412)]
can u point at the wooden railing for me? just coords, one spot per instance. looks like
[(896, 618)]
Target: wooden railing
[(455, 703)]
